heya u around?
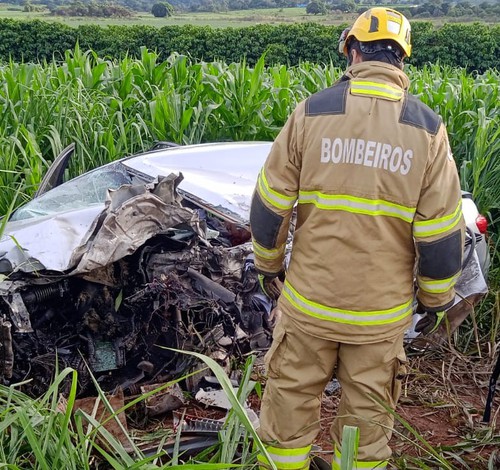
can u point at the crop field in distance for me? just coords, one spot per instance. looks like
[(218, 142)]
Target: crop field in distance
[(236, 18)]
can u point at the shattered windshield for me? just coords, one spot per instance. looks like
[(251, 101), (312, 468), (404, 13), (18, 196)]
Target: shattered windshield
[(88, 189)]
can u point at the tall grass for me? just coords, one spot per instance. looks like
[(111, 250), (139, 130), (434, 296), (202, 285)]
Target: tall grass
[(111, 109), (469, 105), (47, 433)]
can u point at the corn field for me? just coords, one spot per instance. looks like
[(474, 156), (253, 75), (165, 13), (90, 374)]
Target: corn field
[(115, 108)]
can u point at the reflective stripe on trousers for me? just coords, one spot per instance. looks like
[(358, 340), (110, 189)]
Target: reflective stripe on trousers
[(358, 465), (286, 459)]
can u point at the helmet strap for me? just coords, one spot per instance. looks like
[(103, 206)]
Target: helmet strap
[(381, 46)]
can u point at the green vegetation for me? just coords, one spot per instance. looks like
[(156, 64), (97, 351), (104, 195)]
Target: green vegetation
[(92, 9), (461, 9), (115, 108), (473, 46), (161, 10), (53, 433)]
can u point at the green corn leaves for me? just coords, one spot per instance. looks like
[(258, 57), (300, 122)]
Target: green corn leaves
[(114, 108)]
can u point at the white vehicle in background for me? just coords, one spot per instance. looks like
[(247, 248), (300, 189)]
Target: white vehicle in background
[(477, 228), (85, 263), (471, 286)]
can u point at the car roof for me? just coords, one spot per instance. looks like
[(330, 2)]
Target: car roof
[(218, 176)]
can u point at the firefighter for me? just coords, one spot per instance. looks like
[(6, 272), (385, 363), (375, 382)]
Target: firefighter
[(369, 171)]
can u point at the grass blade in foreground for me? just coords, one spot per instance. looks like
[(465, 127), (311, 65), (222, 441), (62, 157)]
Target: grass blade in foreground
[(350, 442), (233, 399)]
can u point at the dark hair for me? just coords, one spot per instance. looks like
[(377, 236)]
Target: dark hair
[(383, 51)]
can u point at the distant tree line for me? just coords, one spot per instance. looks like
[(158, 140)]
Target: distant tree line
[(94, 9), (472, 46), (416, 9), (180, 5), (426, 9), (436, 8)]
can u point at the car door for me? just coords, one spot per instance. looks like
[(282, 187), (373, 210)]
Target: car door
[(55, 174)]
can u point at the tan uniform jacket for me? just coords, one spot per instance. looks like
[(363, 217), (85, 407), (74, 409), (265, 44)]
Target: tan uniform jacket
[(370, 171)]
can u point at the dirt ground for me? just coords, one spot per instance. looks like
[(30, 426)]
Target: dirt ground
[(441, 406), (438, 420)]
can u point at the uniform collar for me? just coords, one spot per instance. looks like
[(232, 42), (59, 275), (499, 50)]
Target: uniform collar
[(378, 71)]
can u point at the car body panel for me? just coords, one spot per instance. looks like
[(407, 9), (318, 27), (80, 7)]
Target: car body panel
[(471, 213), (221, 175), (47, 242)]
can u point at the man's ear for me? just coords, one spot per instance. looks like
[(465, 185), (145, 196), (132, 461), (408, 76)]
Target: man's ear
[(349, 56), (354, 56)]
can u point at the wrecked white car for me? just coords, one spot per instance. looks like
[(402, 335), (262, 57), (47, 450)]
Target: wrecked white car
[(98, 272), (104, 268)]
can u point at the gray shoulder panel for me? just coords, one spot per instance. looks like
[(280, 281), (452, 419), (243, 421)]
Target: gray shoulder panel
[(329, 101), (417, 114)]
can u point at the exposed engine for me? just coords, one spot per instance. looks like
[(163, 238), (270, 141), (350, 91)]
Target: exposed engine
[(178, 291)]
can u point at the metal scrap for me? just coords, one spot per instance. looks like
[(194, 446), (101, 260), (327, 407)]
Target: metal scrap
[(163, 401)]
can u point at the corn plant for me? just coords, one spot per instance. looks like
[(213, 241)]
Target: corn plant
[(469, 107), (115, 108)]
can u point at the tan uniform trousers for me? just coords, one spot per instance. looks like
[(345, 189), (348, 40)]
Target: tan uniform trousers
[(299, 366)]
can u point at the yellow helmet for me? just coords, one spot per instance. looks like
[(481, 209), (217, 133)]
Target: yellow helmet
[(381, 23)]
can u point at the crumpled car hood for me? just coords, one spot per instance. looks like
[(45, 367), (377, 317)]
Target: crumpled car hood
[(48, 242), (133, 215), (83, 240)]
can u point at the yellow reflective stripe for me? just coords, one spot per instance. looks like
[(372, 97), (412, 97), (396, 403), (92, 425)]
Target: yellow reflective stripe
[(281, 201), (378, 465), (363, 87), (287, 459), (427, 228), (358, 465), (382, 465), (266, 253), (357, 205), (297, 451), (285, 465), (351, 317), (438, 286)]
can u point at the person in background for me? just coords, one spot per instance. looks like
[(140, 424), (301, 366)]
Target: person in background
[(369, 169)]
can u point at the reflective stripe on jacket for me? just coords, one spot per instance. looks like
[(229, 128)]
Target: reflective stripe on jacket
[(369, 170)]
